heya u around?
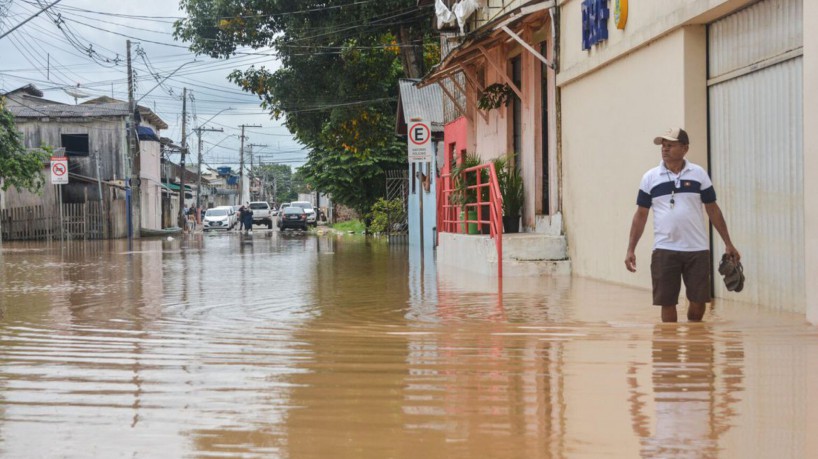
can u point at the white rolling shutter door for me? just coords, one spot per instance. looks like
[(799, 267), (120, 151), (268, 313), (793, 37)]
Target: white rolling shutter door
[(756, 147)]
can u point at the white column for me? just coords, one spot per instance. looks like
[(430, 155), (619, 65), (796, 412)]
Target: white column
[(811, 157)]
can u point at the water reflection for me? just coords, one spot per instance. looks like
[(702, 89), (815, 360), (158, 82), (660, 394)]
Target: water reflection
[(293, 345), (696, 383)]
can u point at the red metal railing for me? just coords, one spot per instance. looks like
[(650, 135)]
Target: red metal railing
[(486, 210)]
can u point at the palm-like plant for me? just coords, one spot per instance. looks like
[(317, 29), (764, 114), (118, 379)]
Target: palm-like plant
[(511, 187), (512, 190), (513, 193), (461, 181)]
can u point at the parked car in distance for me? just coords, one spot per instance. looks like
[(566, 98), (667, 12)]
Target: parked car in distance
[(312, 215), (216, 218), (283, 206), (292, 217), (261, 213), (234, 215)]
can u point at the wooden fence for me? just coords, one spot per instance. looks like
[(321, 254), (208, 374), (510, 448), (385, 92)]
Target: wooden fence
[(79, 221)]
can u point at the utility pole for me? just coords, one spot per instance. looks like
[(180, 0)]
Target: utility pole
[(241, 161), (199, 131), (250, 146), (134, 213), (182, 161)]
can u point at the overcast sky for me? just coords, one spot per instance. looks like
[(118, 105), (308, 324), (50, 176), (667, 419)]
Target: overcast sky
[(57, 58)]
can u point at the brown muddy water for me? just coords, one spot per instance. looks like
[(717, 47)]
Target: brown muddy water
[(300, 346)]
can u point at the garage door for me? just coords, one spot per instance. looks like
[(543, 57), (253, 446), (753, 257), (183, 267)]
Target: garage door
[(755, 89)]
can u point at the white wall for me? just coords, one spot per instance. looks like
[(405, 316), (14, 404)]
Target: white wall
[(151, 192), (811, 156)]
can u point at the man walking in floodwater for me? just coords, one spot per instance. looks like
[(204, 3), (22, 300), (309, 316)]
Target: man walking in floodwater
[(677, 190)]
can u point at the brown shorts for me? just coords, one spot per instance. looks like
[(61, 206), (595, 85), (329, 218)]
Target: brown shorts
[(669, 267)]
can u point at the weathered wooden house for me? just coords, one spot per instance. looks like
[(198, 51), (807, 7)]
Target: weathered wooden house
[(94, 137)]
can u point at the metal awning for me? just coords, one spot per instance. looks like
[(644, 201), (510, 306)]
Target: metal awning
[(175, 187), (474, 46)]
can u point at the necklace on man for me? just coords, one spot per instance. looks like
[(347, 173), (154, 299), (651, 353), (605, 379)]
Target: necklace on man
[(675, 183)]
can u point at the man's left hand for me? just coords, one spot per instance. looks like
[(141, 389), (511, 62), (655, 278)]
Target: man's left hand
[(732, 252)]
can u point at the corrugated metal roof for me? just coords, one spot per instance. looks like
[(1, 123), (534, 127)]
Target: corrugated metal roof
[(425, 103), (83, 111), (70, 111)]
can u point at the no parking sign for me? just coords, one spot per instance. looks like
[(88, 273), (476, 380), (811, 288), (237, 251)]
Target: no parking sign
[(59, 170), (420, 142)]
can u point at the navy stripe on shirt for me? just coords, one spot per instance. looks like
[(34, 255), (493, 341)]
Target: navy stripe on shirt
[(665, 188), (709, 195), (643, 200)]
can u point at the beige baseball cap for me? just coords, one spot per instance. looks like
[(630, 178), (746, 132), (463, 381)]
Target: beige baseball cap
[(674, 135)]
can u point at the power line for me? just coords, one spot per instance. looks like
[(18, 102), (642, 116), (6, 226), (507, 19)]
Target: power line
[(44, 9)]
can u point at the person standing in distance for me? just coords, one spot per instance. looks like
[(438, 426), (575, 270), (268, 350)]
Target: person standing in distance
[(677, 191)]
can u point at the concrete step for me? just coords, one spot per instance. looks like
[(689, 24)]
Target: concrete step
[(534, 247), (524, 254)]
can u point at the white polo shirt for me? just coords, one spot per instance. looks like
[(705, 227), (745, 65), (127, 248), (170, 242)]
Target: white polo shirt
[(679, 226)]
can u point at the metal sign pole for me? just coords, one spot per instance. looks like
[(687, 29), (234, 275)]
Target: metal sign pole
[(62, 219)]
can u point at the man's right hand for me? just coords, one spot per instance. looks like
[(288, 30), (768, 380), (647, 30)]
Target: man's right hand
[(630, 262)]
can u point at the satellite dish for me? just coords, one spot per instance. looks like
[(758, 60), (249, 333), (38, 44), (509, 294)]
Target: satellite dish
[(76, 93)]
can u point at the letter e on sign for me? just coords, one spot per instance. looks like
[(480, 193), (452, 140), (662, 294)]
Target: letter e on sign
[(420, 142)]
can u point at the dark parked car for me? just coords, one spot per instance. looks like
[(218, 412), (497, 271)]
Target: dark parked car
[(292, 217)]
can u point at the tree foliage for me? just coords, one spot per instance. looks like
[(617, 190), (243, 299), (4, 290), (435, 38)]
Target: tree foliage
[(278, 179), (18, 167), (337, 87)]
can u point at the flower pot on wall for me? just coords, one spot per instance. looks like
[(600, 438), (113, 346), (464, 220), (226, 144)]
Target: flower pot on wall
[(468, 228), (511, 224), (472, 215)]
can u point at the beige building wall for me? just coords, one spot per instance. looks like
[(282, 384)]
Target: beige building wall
[(609, 120), (618, 95), (811, 157), (647, 22)]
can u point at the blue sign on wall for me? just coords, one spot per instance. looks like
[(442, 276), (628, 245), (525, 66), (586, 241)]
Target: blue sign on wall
[(595, 15)]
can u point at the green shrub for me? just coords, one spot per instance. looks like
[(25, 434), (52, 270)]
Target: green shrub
[(384, 214)]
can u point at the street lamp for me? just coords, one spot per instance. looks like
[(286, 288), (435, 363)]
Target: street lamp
[(199, 131)]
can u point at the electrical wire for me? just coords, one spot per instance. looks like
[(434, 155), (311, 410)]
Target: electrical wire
[(75, 42)]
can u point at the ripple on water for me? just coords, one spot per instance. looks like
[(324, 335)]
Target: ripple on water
[(299, 346)]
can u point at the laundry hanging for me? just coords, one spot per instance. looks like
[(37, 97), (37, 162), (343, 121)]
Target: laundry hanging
[(464, 9), (444, 14)]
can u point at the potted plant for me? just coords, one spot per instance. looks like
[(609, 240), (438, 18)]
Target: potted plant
[(512, 191)]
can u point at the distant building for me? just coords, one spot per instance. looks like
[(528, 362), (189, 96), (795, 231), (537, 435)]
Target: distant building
[(93, 135)]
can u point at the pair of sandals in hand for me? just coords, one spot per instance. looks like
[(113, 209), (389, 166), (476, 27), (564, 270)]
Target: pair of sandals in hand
[(733, 273)]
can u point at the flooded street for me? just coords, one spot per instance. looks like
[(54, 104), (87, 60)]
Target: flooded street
[(305, 346)]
